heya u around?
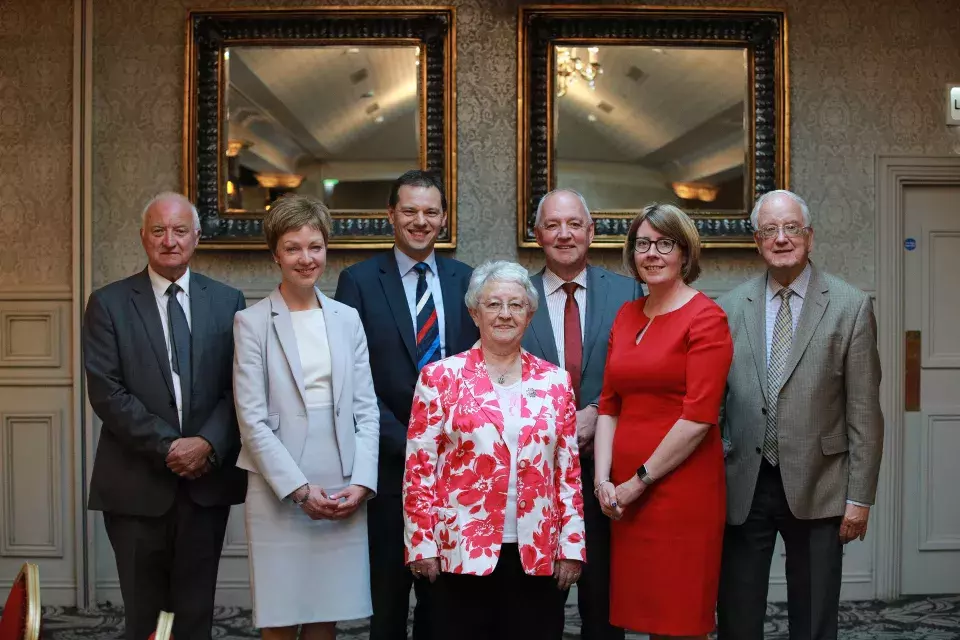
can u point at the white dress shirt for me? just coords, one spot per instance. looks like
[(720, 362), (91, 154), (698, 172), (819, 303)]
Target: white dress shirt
[(799, 287), (160, 285), (556, 303), (408, 276)]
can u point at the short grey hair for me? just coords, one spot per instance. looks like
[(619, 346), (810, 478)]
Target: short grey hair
[(583, 203), (499, 271), (755, 214), (171, 195)]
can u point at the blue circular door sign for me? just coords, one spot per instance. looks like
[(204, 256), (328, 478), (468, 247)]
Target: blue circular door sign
[(909, 244)]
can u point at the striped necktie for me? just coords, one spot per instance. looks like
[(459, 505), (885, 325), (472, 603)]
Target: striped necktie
[(428, 330), (780, 344)]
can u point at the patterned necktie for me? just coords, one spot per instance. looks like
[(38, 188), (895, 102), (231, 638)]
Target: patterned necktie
[(179, 345), (779, 351), (572, 338), (428, 330)]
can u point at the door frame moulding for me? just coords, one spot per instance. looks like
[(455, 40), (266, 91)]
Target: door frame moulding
[(892, 175)]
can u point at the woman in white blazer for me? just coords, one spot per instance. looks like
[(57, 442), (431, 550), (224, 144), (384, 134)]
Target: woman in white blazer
[(310, 428)]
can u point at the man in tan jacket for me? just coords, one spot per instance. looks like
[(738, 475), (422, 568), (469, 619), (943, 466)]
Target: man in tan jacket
[(802, 428)]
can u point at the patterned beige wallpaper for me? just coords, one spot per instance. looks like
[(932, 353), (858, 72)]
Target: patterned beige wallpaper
[(867, 77), (36, 50)]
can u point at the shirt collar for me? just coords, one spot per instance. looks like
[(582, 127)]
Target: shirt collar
[(552, 282), (160, 284), (798, 286), (405, 263)]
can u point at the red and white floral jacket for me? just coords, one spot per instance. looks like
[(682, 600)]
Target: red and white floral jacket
[(458, 466)]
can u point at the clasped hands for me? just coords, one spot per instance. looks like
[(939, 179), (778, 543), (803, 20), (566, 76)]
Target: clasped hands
[(615, 498), (566, 572), (319, 506), (189, 457)]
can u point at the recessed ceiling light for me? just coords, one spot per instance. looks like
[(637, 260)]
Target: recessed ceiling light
[(657, 50), (353, 50), (591, 117), (378, 119)]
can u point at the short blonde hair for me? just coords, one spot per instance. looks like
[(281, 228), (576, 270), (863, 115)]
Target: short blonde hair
[(293, 211), (674, 224)]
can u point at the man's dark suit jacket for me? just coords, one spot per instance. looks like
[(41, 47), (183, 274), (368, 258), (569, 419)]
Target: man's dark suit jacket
[(131, 390), (374, 289), (606, 293)]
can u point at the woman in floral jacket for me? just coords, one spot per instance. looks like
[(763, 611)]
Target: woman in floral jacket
[(492, 496)]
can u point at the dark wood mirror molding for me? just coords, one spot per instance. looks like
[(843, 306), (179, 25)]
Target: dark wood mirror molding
[(210, 33), (761, 33)]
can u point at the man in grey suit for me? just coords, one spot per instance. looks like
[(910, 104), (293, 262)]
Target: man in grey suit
[(158, 352), (570, 329), (802, 427)]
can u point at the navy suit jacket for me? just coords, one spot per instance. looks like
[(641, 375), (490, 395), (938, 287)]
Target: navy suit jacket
[(374, 289), (606, 293)]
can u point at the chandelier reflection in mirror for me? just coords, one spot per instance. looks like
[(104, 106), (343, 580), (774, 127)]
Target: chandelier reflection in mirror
[(570, 67)]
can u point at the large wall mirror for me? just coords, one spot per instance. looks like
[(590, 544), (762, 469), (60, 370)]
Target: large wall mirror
[(334, 103), (629, 105)]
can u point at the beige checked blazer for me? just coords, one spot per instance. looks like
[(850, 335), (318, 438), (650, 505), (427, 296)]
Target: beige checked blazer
[(830, 428)]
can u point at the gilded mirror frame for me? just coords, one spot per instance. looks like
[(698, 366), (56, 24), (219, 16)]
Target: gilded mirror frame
[(433, 29), (762, 32)]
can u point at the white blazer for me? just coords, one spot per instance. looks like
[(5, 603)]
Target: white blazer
[(270, 396)]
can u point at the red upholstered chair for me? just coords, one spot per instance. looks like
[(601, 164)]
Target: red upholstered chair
[(164, 627), (21, 612)]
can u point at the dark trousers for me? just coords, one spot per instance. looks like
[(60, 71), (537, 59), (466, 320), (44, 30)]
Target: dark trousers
[(593, 588), (814, 563), (390, 579), (506, 605), (169, 563)]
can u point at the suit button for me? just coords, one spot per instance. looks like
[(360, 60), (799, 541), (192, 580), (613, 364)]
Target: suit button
[(759, 450), (522, 504), (763, 410), (523, 464), (173, 404)]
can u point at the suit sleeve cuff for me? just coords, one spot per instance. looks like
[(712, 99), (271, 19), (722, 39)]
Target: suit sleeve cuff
[(859, 504)]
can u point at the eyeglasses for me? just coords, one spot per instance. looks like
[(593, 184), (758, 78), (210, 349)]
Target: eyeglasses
[(514, 307), (663, 245), (791, 229)]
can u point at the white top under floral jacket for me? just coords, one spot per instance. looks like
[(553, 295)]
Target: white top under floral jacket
[(458, 465)]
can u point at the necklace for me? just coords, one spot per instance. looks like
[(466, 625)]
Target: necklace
[(502, 376)]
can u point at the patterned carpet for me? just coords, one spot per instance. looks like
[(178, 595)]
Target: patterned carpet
[(908, 619)]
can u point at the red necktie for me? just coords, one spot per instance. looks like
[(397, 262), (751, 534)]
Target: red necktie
[(572, 338)]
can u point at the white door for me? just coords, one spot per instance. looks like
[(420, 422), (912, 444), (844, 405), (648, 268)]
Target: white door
[(931, 287)]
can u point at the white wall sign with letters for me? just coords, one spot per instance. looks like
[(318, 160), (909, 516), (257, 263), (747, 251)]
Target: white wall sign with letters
[(953, 104)]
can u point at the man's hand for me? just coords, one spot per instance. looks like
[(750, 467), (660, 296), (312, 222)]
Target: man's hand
[(854, 523), (586, 428), (428, 568), (189, 457), (349, 500)]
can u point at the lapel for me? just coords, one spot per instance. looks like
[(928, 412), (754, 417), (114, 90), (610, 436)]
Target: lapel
[(477, 383), (397, 300), (200, 310), (596, 307), (337, 339), (535, 394), (754, 320), (284, 327), (542, 329), (814, 305), (145, 303), (452, 297)]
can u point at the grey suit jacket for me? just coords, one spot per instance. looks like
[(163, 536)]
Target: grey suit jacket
[(271, 398), (830, 428), (606, 293)]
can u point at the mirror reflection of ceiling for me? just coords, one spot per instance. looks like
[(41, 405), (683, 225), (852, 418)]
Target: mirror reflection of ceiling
[(656, 118), (325, 112)]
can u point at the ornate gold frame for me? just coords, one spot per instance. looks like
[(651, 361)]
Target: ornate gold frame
[(30, 574), (209, 31), (763, 32)]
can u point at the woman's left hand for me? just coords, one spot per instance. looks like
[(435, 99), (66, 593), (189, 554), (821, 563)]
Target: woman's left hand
[(567, 572), (354, 495), (629, 491)]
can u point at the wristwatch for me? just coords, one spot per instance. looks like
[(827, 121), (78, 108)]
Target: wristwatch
[(305, 497), (645, 477)]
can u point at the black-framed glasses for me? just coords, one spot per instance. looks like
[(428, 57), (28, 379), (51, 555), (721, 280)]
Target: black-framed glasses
[(791, 230), (663, 245)]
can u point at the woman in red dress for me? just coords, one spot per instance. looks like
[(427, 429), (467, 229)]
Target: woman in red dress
[(658, 452)]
